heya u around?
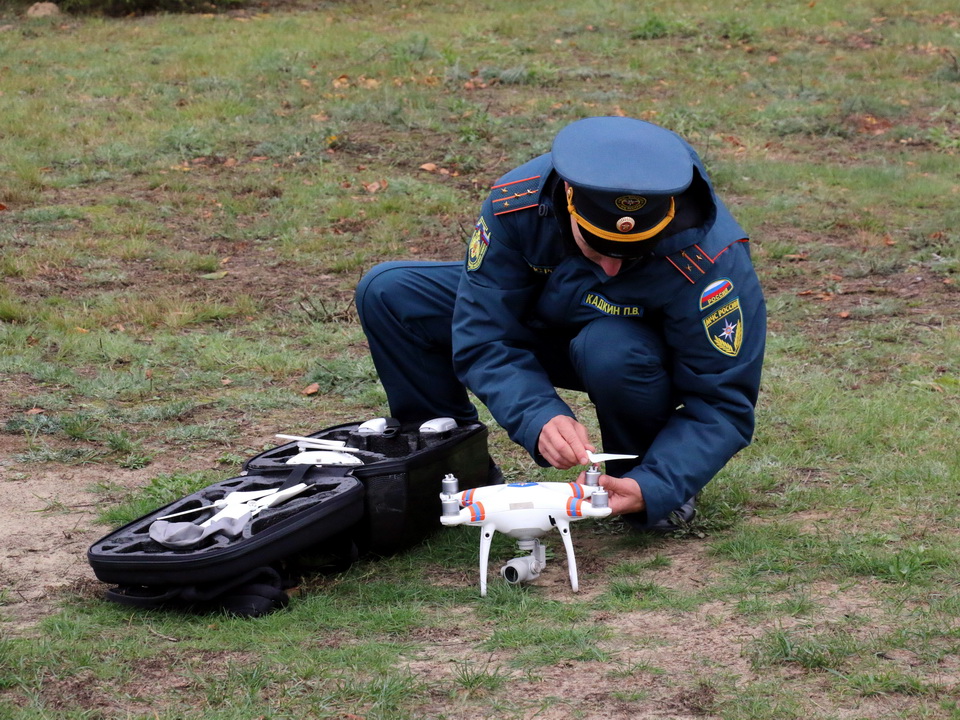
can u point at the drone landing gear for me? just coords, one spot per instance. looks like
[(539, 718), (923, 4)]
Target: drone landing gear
[(528, 567)]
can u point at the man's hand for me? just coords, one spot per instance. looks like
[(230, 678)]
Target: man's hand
[(564, 443), (624, 494)]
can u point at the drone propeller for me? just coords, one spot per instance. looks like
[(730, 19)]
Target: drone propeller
[(317, 442), (603, 457)]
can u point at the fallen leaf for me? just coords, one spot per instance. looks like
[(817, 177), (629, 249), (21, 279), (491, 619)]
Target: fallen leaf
[(34, 411), (429, 167), (844, 314), (2, 207), (219, 275), (311, 389), (226, 381)]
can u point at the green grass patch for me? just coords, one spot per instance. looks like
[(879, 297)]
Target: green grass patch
[(184, 214)]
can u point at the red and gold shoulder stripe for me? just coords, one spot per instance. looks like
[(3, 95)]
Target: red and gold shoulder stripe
[(517, 195), (693, 262)]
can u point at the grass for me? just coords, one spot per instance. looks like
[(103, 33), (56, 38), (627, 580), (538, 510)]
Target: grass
[(181, 234)]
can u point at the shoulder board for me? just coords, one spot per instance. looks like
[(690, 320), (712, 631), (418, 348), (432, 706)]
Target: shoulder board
[(516, 195), (693, 262)]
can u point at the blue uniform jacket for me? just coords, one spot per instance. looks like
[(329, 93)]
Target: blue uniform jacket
[(699, 287)]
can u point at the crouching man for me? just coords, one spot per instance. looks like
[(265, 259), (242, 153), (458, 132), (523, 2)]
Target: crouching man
[(609, 266)]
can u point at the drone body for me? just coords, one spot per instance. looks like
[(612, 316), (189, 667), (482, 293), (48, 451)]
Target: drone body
[(526, 512), (523, 510)]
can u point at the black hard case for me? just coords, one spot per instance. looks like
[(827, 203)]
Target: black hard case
[(385, 505)]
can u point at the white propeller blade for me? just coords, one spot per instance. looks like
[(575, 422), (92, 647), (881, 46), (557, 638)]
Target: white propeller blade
[(316, 442), (603, 457)]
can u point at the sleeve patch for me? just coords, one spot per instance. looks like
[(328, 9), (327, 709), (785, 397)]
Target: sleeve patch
[(478, 245), (724, 328), (715, 292)]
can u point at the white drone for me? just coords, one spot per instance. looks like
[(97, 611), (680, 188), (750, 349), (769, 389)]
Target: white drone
[(526, 511), (315, 451)]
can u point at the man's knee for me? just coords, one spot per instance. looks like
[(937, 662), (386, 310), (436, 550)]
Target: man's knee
[(611, 348), (378, 286)]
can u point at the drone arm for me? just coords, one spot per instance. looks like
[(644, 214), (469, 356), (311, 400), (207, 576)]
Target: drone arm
[(473, 514), (578, 508)]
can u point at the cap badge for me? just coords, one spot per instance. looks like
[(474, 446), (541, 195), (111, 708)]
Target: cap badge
[(625, 224), (630, 203)]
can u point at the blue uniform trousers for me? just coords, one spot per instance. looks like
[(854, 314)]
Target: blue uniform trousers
[(406, 311)]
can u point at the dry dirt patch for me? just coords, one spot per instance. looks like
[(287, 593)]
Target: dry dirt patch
[(48, 520)]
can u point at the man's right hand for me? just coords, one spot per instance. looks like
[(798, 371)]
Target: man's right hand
[(625, 494), (564, 443)]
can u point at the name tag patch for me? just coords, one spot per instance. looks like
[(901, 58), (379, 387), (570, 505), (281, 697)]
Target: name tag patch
[(541, 269), (600, 303)]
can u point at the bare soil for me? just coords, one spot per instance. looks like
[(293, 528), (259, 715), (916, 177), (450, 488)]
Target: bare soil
[(48, 520)]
